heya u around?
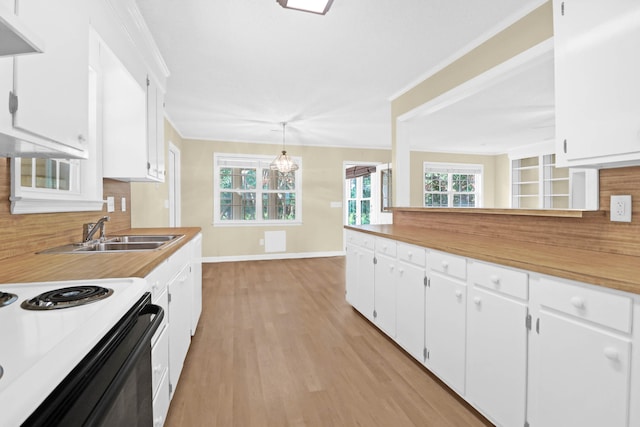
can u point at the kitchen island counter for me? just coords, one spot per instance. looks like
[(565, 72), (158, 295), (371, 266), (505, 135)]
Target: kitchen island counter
[(615, 271)]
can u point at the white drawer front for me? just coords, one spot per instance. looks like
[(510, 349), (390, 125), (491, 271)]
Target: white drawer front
[(412, 254), (450, 265), (500, 279), (163, 301), (360, 239), (604, 308), (161, 402), (386, 247), (159, 359)]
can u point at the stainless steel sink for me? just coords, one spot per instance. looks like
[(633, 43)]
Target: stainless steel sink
[(142, 238), (130, 243), (115, 246)]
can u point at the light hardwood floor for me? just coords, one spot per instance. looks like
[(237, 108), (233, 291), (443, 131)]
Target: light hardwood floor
[(277, 345)]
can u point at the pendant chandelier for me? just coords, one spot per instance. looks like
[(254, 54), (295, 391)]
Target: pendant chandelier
[(283, 163)]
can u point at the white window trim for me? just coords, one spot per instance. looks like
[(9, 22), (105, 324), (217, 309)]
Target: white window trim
[(464, 168), (259, 221)]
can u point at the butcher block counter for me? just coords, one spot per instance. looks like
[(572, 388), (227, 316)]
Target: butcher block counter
[(550, 245), (37, 267)]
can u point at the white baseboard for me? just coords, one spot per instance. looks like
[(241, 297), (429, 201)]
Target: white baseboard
[(272, 256)]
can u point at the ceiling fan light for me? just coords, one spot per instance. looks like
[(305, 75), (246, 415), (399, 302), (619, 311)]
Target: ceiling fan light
[(314, 6)]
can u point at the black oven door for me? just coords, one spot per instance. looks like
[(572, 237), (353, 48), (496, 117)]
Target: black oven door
[(111, 386)]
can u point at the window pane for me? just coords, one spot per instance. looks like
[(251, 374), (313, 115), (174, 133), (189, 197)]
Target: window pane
[(279, 206), (463, 183), (64, 182), (352, 220), (436, 200), (353, 191), (436, 181), (464, 200), (366, 187), (237, 206), (238, 178), (26, 172), (275, 180), (46, 173), (365, 210)]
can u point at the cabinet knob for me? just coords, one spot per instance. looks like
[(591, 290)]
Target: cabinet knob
[(157, 422), (494, 279), (391, 268), (445, 265), (401, 271), (577, 302), (81, 138), (612, 353), (477, 300), (410, 254), (459, 294), (158, 368)]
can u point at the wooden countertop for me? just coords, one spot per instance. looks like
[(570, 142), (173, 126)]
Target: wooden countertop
[(613, 271), (86, 266)]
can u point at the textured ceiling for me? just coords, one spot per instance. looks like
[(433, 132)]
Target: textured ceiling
[(240, 67)]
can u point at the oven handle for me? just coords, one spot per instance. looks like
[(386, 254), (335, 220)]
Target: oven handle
[(121, 377)]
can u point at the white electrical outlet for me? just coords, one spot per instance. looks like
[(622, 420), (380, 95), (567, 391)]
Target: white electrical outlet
[(621, 208), (123, 204)]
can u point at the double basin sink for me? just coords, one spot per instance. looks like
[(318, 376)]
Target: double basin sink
[(132, 243)]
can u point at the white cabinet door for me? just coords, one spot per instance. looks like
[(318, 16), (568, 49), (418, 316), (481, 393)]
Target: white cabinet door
[(496, 356), (596, 81), (445, 330), (385, 294), (360, 280), (179, 324), (155, 131), (410, 309), (196, 281), (52, 88), (583, 375)]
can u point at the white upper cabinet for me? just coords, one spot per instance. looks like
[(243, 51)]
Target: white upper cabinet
[(52, 89), (49, 92), (597, 82), (15, 37)]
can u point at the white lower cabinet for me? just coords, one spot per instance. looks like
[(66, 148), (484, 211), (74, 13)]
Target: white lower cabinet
[(386, 278), (410, 300), (173, 286), (533, 351), (497, 343), (179, 324), (581, 351), (360, 273), (445, 322)]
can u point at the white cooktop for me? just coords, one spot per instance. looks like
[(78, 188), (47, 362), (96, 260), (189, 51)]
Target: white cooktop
[(39, 348)]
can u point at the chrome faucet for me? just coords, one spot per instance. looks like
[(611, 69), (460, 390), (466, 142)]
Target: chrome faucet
[(90, 229)]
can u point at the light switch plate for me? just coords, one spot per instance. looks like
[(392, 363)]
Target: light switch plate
[(621, 208), (111, 204)]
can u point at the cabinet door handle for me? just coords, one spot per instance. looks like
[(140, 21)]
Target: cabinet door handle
[(612, 353), (459, 294), (477, 300), (494, 279), (577, 302)]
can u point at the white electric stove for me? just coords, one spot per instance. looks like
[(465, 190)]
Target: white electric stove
[(40, 344)]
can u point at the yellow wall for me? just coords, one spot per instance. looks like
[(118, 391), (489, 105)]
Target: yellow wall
[(148, 198), (322, 183), (524, 34)]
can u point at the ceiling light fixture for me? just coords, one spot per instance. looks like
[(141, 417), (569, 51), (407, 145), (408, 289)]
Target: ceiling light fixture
[(284, 163), (320, 7)]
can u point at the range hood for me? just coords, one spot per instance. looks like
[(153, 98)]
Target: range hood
[(15, 38)]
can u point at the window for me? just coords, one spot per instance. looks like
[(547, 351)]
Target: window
[(359, 200), (452, 185), (247, 191)]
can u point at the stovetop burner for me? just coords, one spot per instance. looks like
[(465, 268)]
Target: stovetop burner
[(7, 298), (66, 297)]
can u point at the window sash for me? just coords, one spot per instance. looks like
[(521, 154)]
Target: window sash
[(445, 191)]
